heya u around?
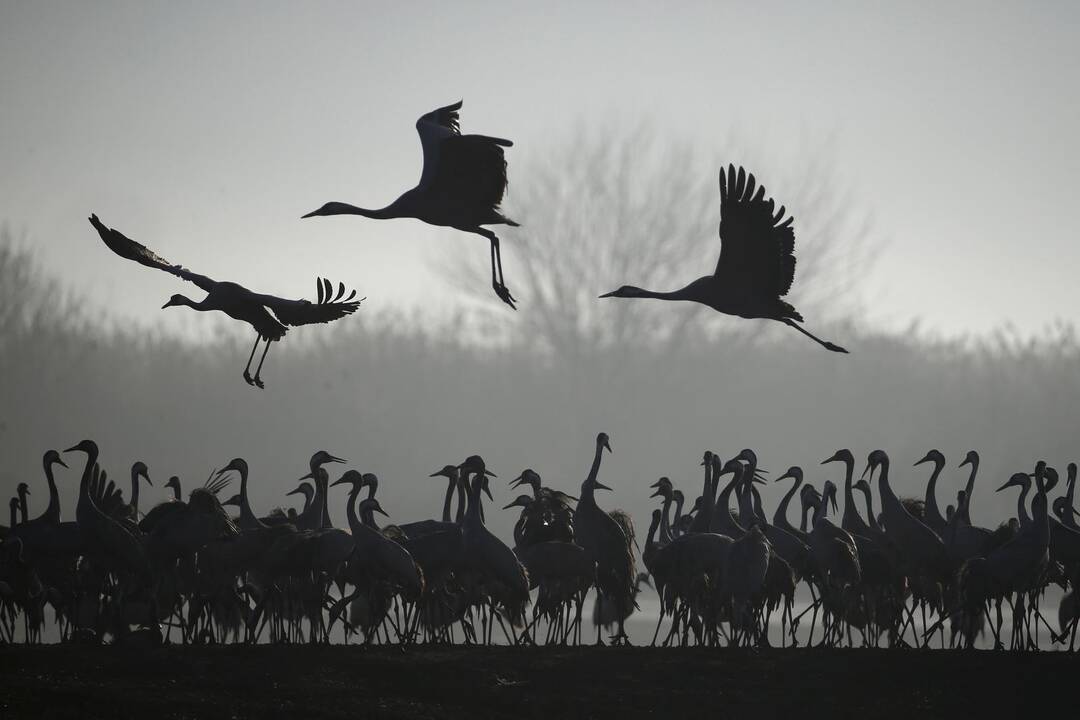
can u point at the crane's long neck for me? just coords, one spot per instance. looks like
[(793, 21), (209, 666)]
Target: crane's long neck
[(780, 516), (759, 513), (135, 490), (247, 517), (22, 507), (746, 503), (722, 519), (85, 505), (321, 489), (1021, 505), (888, 497), (589, 485), (963, 510), (462, 499), (871, 518), (933, 513), (448, 499), (14, 507), (665, 526), (52, 512), (350, 511), (395, 209), (650, 538), (678, 510), (176, 490), (474, 514), (851, 517)]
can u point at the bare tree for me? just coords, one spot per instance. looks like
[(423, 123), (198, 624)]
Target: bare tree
[(600, 212)]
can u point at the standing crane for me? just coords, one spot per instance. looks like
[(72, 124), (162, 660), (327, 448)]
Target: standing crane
[(267, 314), (757, 260), (606, 543), (461, 186)]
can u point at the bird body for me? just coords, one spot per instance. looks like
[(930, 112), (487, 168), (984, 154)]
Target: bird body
[(757, 260)]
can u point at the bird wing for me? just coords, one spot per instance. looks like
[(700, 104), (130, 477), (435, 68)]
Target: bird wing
[(328, 307), (757, 244), (440, 122), (127, 248)]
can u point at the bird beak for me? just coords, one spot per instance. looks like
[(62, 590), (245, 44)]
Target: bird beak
[(72, 449), (339, 481), (607, 295), (309, 476), (513, 504), (760, 480), (313, 213), (437, 473), (489, 473), (488, 493), (1008, 483), (297, 491), (832, 500), (785, 476), (925, 459), (828, 460), (601, 486), (656, 494), (607, 445), (337, 459), (658, 483), (379, 510), (864, 472), (60, 461), (517, 481)]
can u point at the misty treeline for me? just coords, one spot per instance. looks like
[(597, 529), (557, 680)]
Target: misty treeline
[(401, 398)]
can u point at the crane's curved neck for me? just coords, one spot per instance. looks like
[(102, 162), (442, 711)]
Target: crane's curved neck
[(176, 490), (759, 513), (135, 490), (247, 517), (350, 510), (474, 515), (884, 489), (589, 485), (933, 513), (85, 505), (462, 499), (821, 510), (22, 507), (400, 208), (963, 514), (665, 526), (722, 519), (850, 519), (746, 503), (1021, 505), (14, 507), (448, 499), (650, 538), (678, 510), (871, 518), (780, 516), (52, 512)]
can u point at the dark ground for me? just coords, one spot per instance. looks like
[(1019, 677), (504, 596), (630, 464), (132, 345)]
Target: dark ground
[(351, 682)]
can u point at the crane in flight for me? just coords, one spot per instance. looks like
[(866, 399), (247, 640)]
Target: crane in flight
[(757, 260), (461, 186), (269, 315)]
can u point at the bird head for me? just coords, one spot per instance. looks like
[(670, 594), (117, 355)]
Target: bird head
[(677, 496), (602, 440), (794, 472), (236, 464), (862, 485), (370, 480), (22, 489), (177, 301), (843, 456), (448, 471), (972, 459), (86, 446), (874, 460), (53, 458), (321, 458), (174, 483), (139, 469), (521, 501), (1017, 480), (626, 291), (707, 459), (349, 477), (370, 504), (527, 477), (302, 489), (829, 493), (474, 464), (933, 456)]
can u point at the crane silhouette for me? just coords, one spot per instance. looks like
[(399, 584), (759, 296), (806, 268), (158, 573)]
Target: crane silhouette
[(461, 186), (267, 314), (757, 260)]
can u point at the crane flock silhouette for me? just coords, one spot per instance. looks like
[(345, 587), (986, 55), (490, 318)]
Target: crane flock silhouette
[(721, 569)]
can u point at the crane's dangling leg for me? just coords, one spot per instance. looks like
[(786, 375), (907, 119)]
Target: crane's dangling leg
[(247, 368), (823, 343), (258, 381), (497, 282)]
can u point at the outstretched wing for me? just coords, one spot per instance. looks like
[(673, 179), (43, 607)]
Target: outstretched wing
[(328, 307), (758, 244), (444, 118), (127, 248)]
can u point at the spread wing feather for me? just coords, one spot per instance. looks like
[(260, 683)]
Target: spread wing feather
[(128, 249), (329, 305), (758, 244)]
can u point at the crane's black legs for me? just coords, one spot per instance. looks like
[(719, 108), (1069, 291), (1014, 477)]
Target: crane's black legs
[(258, 381), (247, 368), (497, 282), (823, 343)]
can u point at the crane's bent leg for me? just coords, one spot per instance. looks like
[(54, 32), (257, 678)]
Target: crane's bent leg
[(258, 381), (497, 282), (823, 343), (247, 368)]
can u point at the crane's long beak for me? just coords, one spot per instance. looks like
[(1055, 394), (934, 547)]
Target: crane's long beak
[(518, 480), (337, 459), (487, 492), (609, 294), (73, 448), (297, 491), (489, 473), (309, 476), (657, 493), (513, 504), (658, 483), (601, 486), (924, 460), (60, 461), (340, 481), (864, 472)]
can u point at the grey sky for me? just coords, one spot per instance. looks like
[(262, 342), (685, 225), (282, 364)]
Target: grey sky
[(207, 129)]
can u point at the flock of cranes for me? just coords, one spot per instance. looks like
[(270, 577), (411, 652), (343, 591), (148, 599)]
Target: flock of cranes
[(190, 571), (462, 186)]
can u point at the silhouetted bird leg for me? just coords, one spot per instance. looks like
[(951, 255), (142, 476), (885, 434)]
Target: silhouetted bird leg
[(823, 343), (247, 368), (497, 282), (258, 370)]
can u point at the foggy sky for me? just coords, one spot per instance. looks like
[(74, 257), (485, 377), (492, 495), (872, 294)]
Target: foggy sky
[(206, 129)]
